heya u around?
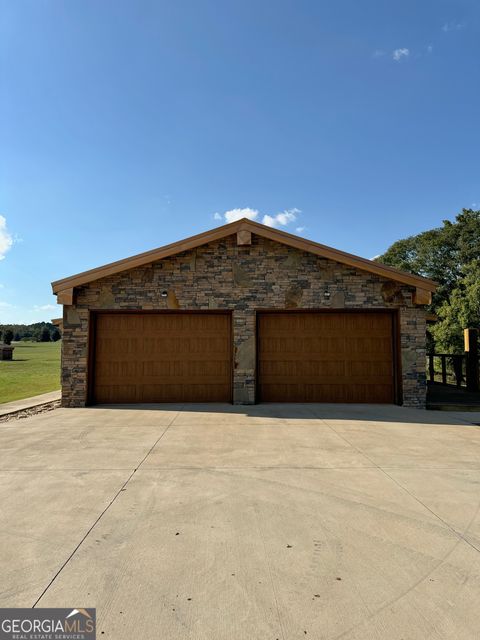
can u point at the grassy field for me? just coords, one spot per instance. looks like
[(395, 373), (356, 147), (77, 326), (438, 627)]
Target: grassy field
[(35, 369)]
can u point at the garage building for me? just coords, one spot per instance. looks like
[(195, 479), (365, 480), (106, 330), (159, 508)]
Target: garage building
[(243, 313)]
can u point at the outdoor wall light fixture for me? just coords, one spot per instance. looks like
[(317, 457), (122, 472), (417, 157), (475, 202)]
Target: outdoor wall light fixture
[(327, 294), (164, 294)]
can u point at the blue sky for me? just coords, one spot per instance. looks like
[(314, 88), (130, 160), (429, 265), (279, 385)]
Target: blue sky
[(128, 125)]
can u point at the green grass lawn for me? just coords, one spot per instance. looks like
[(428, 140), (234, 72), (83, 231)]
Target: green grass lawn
[(35, 369)]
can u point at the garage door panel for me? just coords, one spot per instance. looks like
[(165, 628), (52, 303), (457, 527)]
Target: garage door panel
[(116, 347), (324, 344), (333, 357), (177, 357), (347, 393), (179, 393), (359, 322), (201, 393), (325, 393), (368, 344), (196, 372), (371, 369), (106, 370), (294, 345), (321, 322), (297, 369), (372, 393), (344, 381), (189, 347), (159, 325), (289, 392), (128, 325), (166, 392), (109, 394)]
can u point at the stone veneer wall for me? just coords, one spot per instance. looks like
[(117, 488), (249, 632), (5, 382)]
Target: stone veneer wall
[(222, 275)]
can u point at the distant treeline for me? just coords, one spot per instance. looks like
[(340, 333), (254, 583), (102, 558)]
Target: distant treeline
[(37, 332)]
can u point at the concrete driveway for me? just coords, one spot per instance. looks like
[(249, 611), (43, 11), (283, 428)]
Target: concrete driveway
[(265, 522)]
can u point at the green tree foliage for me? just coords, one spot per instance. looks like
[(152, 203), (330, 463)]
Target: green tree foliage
[(56, 335), (8, 336), (45, 335), (31, 332), (450, 255), (460, 311)]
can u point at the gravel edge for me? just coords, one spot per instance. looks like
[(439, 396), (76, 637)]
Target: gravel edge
[(31, 411)]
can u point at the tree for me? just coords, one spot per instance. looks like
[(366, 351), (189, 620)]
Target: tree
[(461, 311), (56, 335), (8, 336), (450, 255), (440, 254), (45, 335), (27, 331)]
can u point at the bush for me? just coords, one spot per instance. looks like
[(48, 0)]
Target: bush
[(45, 335)]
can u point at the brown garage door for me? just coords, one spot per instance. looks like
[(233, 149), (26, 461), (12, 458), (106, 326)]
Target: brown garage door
[(325, 357), (162, 357)]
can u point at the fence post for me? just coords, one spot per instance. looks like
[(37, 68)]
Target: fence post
[(431, 369), (471, 353)]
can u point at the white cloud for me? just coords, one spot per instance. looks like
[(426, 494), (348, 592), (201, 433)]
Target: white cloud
[(398, 54), (44, 307), (6, 239), (453, 26), (280, 219), (429, 48), (378, 53), (269, 221), (237, 214), (300, 229), (4, 305)]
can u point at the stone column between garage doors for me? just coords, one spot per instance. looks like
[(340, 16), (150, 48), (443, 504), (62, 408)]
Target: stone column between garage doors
[(244, 357)]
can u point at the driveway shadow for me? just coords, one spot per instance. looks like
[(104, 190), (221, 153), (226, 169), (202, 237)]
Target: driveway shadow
[(314, 411)]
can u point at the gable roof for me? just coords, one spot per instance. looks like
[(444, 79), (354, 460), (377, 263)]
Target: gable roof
[(244, 224)]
